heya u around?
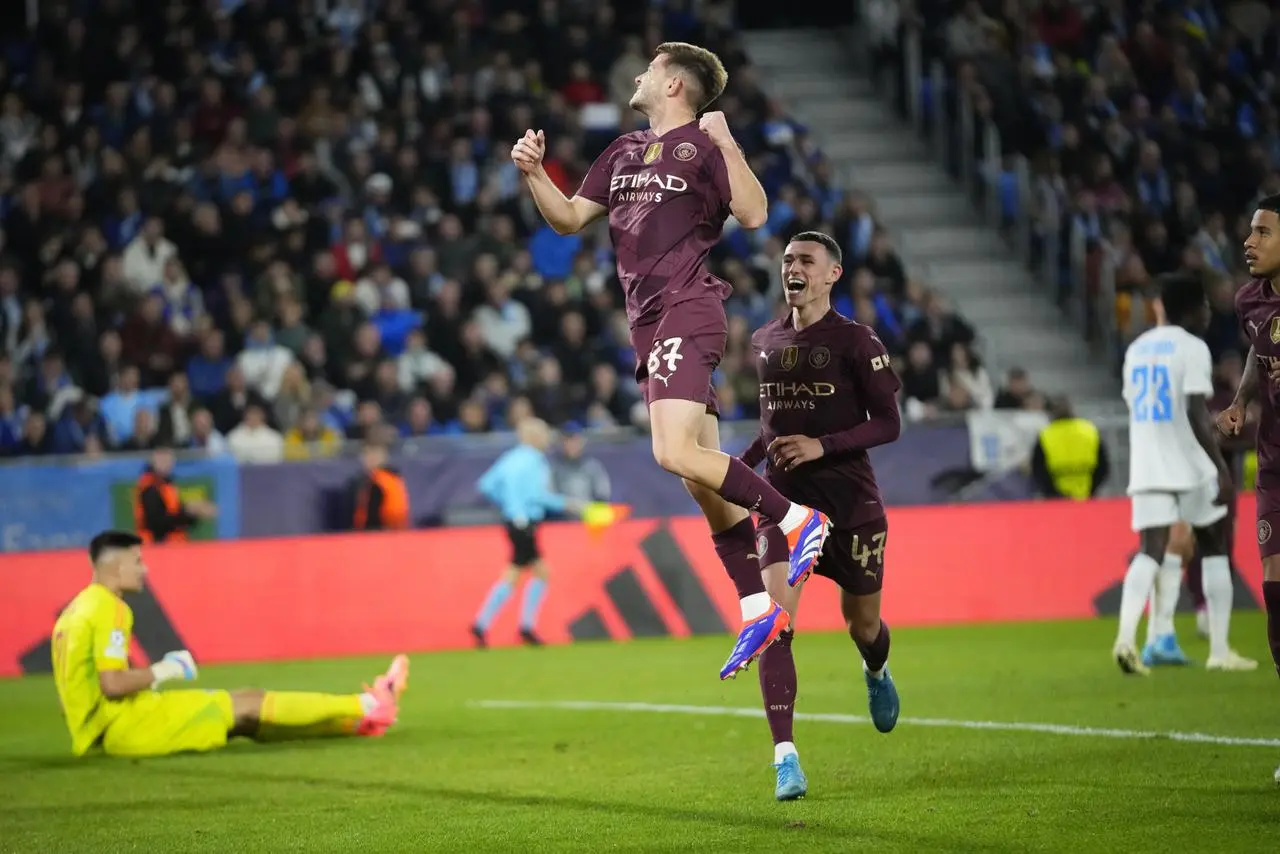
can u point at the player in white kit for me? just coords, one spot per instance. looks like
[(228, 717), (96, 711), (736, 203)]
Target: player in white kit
[(1176, 473)]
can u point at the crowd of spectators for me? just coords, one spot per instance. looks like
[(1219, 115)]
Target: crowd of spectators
[(1152, 129), (264, 227)]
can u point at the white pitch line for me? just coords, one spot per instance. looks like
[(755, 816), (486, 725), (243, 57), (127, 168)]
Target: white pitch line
[(1001, 726)]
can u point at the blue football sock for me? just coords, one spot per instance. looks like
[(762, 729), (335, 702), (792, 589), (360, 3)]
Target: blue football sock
[(534, 592), (498, 596)]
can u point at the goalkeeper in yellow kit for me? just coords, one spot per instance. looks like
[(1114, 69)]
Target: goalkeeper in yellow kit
[(109, 703)]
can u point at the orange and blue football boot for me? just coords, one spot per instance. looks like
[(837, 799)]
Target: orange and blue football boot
[(755, 637), (805, 544)]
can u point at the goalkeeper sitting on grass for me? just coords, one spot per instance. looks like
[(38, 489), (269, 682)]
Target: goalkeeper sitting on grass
[(109, 703), (519, 482)]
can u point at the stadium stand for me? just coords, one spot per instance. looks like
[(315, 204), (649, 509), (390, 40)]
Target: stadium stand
[(1149, 134), (243, 226), (1110, 142)]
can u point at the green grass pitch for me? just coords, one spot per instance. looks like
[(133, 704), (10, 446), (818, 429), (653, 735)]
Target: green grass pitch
[(459, 776)]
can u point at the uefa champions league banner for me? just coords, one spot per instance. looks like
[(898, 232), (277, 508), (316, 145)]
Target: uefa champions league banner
[(63, 506), (1001, 440), (380, 592)]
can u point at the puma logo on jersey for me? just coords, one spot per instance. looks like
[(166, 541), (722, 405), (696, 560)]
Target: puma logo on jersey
[(665, 379)]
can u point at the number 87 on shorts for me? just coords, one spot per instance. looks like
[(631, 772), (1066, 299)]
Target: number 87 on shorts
[(684, 348)]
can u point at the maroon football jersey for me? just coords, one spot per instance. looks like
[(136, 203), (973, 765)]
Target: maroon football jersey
[(1258, 310), (833, 381), (668, 198)]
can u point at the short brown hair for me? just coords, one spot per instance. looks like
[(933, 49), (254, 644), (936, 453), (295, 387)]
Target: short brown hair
[(706, 69), (826, 240)]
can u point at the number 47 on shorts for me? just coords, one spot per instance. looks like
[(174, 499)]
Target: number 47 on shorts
[(866, 556)]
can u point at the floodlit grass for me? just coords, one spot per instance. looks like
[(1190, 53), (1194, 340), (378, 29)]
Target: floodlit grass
[(459, 776)]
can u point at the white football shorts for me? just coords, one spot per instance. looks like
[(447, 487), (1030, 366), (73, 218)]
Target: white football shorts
[(1197, 507)]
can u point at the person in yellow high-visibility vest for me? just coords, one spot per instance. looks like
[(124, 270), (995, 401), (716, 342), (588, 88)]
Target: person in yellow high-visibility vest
[(1070, 459)]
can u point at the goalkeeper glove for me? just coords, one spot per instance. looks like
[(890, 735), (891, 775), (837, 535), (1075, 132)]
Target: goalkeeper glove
[(174, 665)]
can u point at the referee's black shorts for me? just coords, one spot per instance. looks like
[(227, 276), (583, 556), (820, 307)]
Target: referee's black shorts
[(524, 544)]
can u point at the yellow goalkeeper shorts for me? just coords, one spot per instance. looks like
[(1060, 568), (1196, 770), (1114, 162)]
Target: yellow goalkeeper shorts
[(158, 723)]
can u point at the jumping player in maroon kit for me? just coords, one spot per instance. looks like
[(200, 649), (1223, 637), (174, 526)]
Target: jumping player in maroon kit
[(1258, 310), (827, 394), (667, 192)]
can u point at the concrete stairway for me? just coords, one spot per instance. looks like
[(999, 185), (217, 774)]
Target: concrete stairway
[(940, 236)]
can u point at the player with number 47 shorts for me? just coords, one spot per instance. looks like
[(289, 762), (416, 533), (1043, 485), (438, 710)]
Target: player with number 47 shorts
[(828, 393)]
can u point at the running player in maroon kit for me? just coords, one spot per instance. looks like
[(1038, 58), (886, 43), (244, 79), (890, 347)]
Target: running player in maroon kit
[(827, 394), (667, 192), (1258, 310)]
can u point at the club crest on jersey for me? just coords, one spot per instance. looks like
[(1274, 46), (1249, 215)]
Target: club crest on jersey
[(652, 153), (790, 355), (685, 151), (1275, 330), (819, 358), (1264, 532)]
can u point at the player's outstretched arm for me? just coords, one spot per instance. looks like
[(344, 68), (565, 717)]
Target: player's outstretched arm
[(536, 481), (554, 502), (528, 482), (566, 216)]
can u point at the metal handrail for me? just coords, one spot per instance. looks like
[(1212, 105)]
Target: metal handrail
[(1039, 214), (1038, 223)]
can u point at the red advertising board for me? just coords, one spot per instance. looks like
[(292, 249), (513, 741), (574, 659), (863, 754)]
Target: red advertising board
[(252, 600)]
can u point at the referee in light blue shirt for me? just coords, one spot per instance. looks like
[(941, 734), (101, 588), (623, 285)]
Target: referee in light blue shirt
[(519, 482)]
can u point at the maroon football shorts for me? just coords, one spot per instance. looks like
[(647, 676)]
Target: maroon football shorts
[(677, 353), (1268, 522), (852, 557)]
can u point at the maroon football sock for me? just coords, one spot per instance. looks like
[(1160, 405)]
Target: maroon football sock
[(876, 653), (1271, 596), (736, 548), (749, 490), (778, 687), (1195, 582)]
